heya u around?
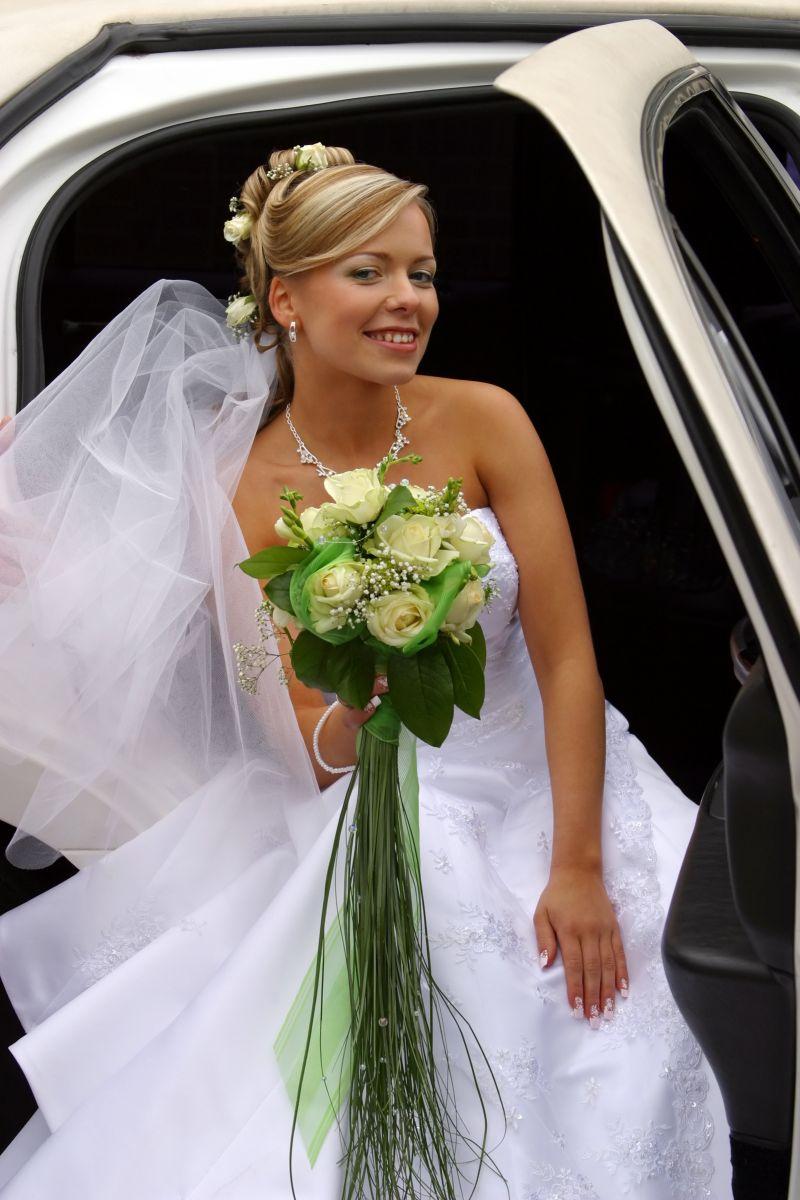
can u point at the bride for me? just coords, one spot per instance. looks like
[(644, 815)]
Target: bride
[(145, 737)]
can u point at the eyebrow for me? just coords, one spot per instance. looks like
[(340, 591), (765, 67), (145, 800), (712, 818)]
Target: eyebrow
[(379, 254)]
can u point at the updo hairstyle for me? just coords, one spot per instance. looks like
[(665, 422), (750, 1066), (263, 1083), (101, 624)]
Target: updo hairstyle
[(306, 219)]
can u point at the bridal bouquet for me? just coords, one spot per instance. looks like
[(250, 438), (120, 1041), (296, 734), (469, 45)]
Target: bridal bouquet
[(381, 579)]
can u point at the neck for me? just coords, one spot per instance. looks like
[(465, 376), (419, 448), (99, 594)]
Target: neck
[(349, 423)]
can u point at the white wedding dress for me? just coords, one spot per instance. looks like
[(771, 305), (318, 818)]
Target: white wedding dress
[(151, 989), (151, 984)]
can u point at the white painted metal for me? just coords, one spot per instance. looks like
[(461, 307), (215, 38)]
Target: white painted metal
[(37, 34)]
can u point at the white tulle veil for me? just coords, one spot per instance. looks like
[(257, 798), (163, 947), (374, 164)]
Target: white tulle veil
[(120, 599)]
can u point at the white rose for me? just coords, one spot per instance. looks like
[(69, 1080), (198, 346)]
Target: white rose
[(463, 612), (448, 524), (321, 521), (334, 587), (316, 521), (310, 157), (240, 310), (415, 540), (238, 228), (471, 539), (399, 616), (358, 496)]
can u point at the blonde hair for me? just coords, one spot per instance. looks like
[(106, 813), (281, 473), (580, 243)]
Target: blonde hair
[(307, 219)]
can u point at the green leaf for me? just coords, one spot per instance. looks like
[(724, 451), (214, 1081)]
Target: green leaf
[(442, 589), (352, 671), (278, 591), (478, 644), (421, 688), (272, 561), (325, 555), (310, 661), (399, 497), (469, 685)]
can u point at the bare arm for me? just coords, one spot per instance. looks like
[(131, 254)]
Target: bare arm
[(574, 911)]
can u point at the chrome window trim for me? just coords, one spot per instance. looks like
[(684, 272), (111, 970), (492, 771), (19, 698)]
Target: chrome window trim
[(663, 105)]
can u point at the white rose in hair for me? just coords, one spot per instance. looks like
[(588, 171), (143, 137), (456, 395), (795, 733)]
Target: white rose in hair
[(463, 612), (415, 540), (311, 157), (471, 539), (334, 587), (240, 310), (399, 616), (358, 496), (238, 228)]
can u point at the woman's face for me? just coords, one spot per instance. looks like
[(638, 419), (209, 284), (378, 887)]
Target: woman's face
[(370, 313)]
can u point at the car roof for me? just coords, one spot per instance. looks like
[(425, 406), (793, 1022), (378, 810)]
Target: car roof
[(39, 34)]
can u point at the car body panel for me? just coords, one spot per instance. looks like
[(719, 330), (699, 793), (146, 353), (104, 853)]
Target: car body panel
[(63, 28)]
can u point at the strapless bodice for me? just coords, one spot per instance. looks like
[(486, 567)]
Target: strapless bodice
[(495, 618)]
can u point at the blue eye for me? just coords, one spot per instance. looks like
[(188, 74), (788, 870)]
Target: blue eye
[(423, 276), (363, 272)]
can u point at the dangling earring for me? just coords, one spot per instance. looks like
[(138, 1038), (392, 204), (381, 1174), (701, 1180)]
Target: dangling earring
[(293, 331)]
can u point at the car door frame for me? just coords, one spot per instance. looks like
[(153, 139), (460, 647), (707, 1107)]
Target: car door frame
[(637, 76)]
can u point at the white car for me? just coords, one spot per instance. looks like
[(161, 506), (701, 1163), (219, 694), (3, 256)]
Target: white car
[(620, 247)]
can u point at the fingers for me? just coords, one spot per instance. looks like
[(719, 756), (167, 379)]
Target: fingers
[(608, 977), (353, 717), (590, 951), (572, 957), (545, 938), (594, 967), (620, 964)]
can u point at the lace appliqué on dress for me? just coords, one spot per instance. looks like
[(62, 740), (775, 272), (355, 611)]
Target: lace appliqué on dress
[(560, 1183), (484, 932), (521, 1071), (130, 932), (677, 1153)]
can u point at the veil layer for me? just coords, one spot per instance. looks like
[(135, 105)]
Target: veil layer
[(120, 599)]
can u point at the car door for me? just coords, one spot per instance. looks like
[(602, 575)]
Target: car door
[(693, 206)]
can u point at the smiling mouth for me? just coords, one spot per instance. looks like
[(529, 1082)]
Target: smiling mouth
[(394, 337)]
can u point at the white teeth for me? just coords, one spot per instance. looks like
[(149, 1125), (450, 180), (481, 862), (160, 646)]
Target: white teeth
[(392, 337)]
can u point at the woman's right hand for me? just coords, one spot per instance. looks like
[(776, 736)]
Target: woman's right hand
[(354, 718)]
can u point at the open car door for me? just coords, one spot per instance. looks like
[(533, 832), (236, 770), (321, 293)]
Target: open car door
[(702, 234)]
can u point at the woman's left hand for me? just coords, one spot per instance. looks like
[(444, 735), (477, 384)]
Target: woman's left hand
[(575, 914)]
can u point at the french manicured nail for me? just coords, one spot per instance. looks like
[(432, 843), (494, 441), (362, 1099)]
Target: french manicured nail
[(373, 702), (623, 988), (577, 1011), (594, 1017), (608, 1009), (544, 958)]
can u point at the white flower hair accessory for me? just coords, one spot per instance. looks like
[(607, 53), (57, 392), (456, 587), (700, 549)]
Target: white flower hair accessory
[(239, 226), (311, 157), (240, 314)]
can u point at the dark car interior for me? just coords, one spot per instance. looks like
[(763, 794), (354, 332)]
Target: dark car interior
[(526, 303)]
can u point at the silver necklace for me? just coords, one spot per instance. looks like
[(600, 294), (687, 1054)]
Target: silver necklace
[(400, 439)]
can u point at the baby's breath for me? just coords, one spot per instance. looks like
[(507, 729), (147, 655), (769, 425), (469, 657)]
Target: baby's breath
[(252, 661)]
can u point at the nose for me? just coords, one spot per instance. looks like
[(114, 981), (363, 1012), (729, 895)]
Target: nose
[(403, 294)]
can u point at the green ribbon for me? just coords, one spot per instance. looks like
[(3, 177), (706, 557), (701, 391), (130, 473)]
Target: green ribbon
[(328, 1068)]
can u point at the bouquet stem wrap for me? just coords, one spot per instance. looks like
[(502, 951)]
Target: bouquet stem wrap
[(367, 1023)]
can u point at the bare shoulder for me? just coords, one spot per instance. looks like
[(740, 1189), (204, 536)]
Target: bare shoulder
[(469, 397)]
